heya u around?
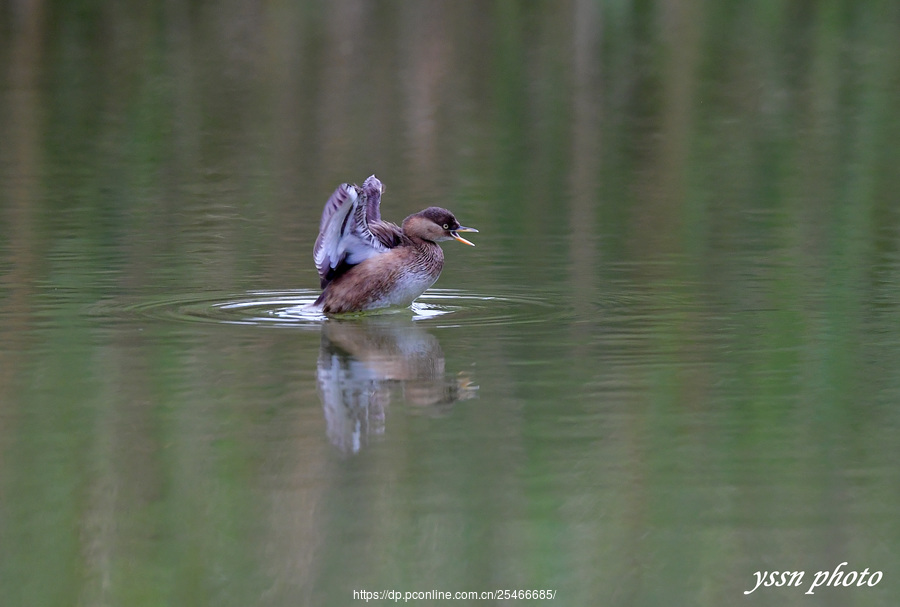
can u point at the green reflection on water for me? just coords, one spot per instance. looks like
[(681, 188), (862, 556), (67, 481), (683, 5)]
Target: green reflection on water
[(694, 205)]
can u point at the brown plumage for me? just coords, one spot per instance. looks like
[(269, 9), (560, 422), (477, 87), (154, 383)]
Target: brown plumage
[(365, 263)]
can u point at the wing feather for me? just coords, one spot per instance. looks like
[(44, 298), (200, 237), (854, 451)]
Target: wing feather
[(351, 230), (334, 219), (373, 189)]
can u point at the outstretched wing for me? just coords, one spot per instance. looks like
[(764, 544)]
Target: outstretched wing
[(373, 189), (334, 219), (346, 237)]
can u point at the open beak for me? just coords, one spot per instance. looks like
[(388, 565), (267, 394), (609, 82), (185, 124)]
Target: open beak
[(456, 236)]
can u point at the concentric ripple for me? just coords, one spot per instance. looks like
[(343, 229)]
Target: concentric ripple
[(292, 309)]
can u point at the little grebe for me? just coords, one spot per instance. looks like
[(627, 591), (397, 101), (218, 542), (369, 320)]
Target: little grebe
[(365, 263)]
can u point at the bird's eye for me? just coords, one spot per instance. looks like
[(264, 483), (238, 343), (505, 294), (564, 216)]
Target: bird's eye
[(446, 226)]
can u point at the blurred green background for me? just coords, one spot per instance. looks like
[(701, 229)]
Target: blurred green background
[(689, 223)]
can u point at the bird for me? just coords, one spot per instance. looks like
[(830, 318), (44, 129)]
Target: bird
[(365, 263)]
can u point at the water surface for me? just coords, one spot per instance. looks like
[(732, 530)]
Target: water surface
[(670, 361)]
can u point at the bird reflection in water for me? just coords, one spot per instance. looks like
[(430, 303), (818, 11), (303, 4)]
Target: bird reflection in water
[(362, 362)]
